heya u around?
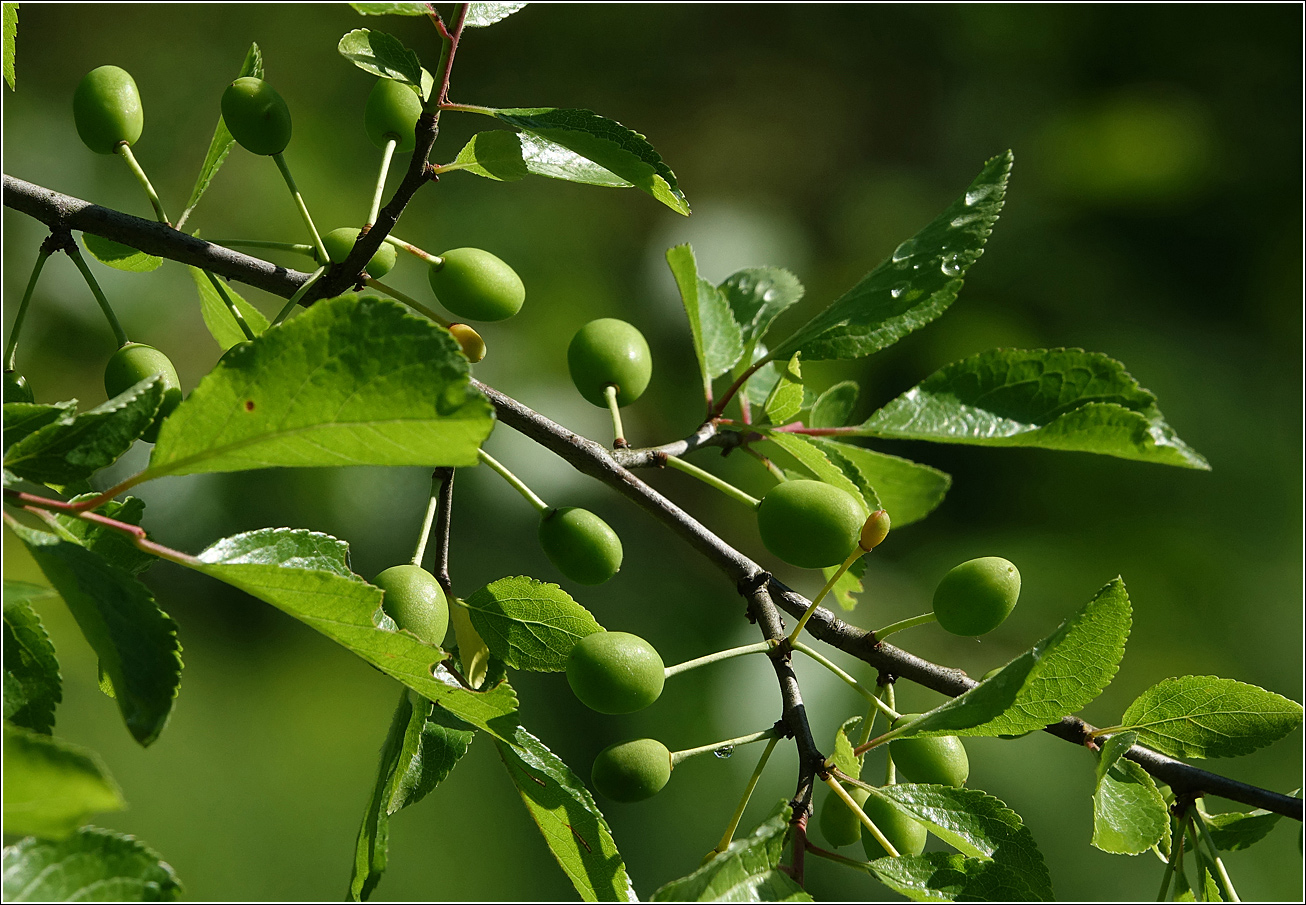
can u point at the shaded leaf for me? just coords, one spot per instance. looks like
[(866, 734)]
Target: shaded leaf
[(800, 450), (391, 9), (221, 143), (717, 343), (73, 449), (529, 624), (915, 285), (759, 386), (844, 760), (51, 786), (93, 865), (757, 296), (118, 256), (834, 407), (1129, 814), (136, 642), (32, 686), (745, 872), (306, 574), (1065, 399), (619, 150), (570, 821), (351, 381), (1237, 830), (1205, 716), (420, 750), (11, 44), (22, 419), (479, 15), (381, 54), (217, 316), (948, 877), (786, 397), (849, 585), (111, 545), (907, 490)]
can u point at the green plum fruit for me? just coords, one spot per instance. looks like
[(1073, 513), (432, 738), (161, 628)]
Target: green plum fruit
[(392, 112), (474, 284), (580, 544), (16, 388), (840, 825), (415, 601), (135, 362), (107, 109), (340, 242), (904, 832), (940, 760), (615, 672), (256, 115), (609, 352), (810, 524), (632, 771), (976, 596)]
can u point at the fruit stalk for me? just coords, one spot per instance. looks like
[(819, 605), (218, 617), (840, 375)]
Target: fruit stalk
[(679, 756), (816, 601), (76, 254), (712, 480), (299, 294), (431, 506), (414, 250), (231, 305), (280, 158), (867, 822), (407, 300), (857, 686), (298, 247), (124, 150), (759, 648), (922, 619), (729, 834), (618, 432), (11, 347), (1221, 874), (515, 482), (386, 156)]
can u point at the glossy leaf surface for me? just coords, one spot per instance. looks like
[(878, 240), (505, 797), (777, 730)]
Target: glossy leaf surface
[(382, 55), (529, 624), (94, 865), (1206, 716), (509, 156), (1129, 814), (717, 341)]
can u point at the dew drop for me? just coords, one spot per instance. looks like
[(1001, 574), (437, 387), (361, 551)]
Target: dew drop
[(898, 290), (724, 751), (768, 296), (975, 196), (965, 219), (952, 265), (905, 250)]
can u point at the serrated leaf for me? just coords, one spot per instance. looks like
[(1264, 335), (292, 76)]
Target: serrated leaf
[(745, 872), (118, 256), (1206, 716), (391, 9), (849, 584), (1129, 814), (73, 449), (786, 397), (907, 490), (612, 146), (11, 44), (93, 865), (915, 285), (529, 624), (757, 296), (759, 386), (980, 826), (51, 786), (136, 642), (568, 818), (381, 54), (306, 574), (479, 15), (717, 342), (108, 544), (420, 750), (349, 382), (1237, 830), (221, 143), (21, 419), (509, 156), (946, 877), (800, 450), (32, 686), (834, 407), (1065, 399), (844, 760), (217, 316)]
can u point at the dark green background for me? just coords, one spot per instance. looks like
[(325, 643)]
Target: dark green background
[(1154, 215)]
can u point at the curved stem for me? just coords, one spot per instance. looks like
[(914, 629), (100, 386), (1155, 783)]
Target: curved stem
[(839, 790), (729, 834), (76, 254), (721, 403), (407, 300), (437, 484), (618, 432), (712, 480), (760, 647), (857, 686), (124, 150), (1176, 843), (386, 155), (297, 247), (898, 626), (517, 483), (303, 208), (299, 294), (1221, 874), (847, 564), (231, 305), (11, 347), (414, 250), (679, 756)]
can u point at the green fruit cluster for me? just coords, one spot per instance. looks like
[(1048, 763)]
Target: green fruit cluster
[(840, 824), (977, 596), (580, 545), (340, 242), (609, 352), (810, 524), (632, 771), (135, 362), (940, 760), (903, 831), (256, 115), (107, 109), (474, 284), (415, 601), (615, 672)]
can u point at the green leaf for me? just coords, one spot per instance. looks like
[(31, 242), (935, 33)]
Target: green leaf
[(1237, 830), (109, 544), (1205, 716), (381, 54), (32, 686), (717, 342), (786, 398), (975, 712), (915, 285), (306, 574), (844, 760), (73, 449), (136, 642), (391, 9), (479, 15), (349, 382), (529, 624), (619, 150), (758, 387), (849, 585), (509, 156), (948, 877), (1129, 814), (745, 872), (981, 826), (221, 143), (907, 490), (800, 450), (420, 750), (51, 786), (571, 823), (217, 316), (22, 419), (10, 39), (1065, 399), (93, 865), (757, 296), (834, 407), (118, 256)]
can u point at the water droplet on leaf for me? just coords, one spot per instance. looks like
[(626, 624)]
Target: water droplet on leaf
[(724, 751)]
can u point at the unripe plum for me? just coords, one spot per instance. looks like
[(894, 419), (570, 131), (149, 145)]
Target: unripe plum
[(256, 116), (107, 109), (615, 672), (976, 596), (474, 284), (810, 524), (632, 771), (609, 352), (906, 833), (415, 601), (580, 544), (940, 759), (135, 362), (339, 242), (392, 112)]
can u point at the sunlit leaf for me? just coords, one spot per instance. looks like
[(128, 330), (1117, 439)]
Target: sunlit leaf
[(51, 786), (93, 865)]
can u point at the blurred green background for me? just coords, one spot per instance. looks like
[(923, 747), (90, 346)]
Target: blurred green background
[(1154, 215)]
